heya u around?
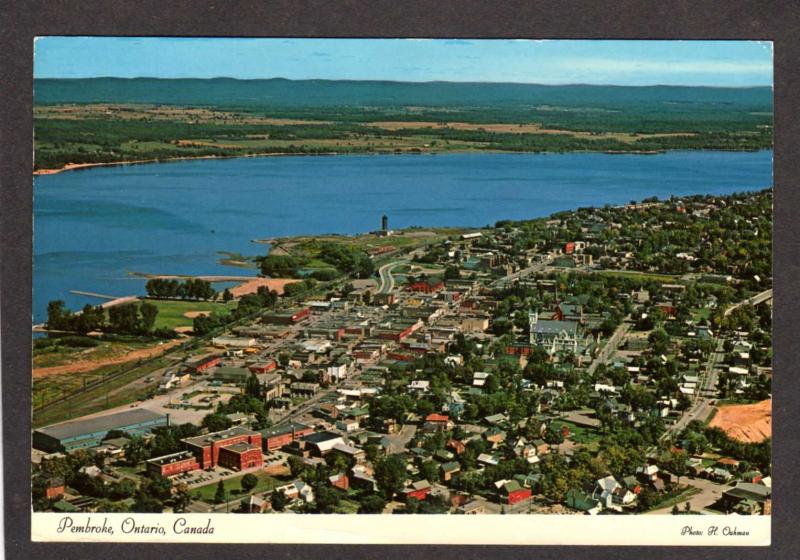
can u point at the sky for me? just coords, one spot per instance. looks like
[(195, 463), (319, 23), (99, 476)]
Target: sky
[(707, 63)]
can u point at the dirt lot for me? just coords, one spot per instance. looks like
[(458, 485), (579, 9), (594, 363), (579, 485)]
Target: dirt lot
[(251, 286), (89, 365), (749, 423)]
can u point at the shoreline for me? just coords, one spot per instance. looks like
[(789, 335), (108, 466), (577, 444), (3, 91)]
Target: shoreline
[(79, 166)]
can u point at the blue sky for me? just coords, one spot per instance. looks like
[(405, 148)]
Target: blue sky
[(711, 63)]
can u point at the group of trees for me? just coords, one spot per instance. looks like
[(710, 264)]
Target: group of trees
[(193, 288), (249, 304), (128, 318)]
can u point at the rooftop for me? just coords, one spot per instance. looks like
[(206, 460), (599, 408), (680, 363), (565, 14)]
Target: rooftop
[(117, 421)]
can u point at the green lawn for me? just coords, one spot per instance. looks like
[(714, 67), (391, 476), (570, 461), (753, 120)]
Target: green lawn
[(347, 506), (578, 434), (701, 313), (171, 313), (234, 488)]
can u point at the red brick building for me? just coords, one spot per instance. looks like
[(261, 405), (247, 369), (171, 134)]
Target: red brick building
[(428, 286), (202, 364), (263, 367), (54, 489), (277, 437), (241, 456), (569, 248), (175, 463), (208, 448), (290, 317)]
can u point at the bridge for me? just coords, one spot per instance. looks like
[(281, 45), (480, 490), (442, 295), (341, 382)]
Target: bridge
[(757, 299)]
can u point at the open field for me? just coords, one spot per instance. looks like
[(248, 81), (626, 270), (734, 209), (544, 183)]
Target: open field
[(174, 314), (749, 423)]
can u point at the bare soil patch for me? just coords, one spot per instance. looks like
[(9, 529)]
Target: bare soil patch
[(748, 423), (193, 314), (252, 286), (83, 366)]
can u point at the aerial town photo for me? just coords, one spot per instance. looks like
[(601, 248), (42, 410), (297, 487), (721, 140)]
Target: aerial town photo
[(374, 276)]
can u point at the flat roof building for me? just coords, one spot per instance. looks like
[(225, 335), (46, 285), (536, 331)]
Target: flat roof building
[(82, 434)]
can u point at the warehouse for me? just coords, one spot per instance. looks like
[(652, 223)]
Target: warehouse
[(82, 434)]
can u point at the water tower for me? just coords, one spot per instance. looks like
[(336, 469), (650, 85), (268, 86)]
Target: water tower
[(385, 223)]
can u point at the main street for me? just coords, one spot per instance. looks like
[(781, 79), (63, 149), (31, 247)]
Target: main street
[(611, 345), (701, 404)]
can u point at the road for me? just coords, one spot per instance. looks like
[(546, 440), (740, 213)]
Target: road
[(710, 493), (755, 300), (701, 404), (398, 441), (503, 282), (611, 345), (387, 280)]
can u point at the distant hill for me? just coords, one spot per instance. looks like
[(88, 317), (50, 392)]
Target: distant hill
[(282, 93)]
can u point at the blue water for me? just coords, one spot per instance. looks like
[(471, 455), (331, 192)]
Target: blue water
[(93, 226)]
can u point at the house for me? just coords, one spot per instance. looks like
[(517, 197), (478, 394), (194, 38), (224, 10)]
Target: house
[(54, 488), (647, 472), (748, 498), (511, 492), (419, 490), (340, 481), (449, 469), (487, 459), (297, 490), (258, 504), (473, 507), (439, 421), (458, 447), (580, 501), (610, 493), (479, 378)]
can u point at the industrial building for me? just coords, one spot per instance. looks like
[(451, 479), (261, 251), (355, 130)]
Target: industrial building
[(82, 434)]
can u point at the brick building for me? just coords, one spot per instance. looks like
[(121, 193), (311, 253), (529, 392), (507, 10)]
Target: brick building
[(209, 449), (277, 437), (172, 464)]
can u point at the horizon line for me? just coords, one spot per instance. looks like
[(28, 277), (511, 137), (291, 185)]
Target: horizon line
[(559, 84)]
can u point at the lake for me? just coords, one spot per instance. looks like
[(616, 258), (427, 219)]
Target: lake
[(94, 226)]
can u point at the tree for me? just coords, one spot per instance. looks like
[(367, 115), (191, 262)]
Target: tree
[(390, 474), (135, 451), (296, 466), (227, 295), (371, 504), (216, 422), (149, 313), (249, 481), (278, 500), (219, 495), (181, 499), (675, 510), (145, 503)]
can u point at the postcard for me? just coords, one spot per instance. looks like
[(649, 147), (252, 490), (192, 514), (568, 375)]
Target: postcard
[(410, 291)]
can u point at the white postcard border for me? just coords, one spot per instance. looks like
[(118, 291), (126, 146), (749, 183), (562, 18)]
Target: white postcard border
[(633, 530)]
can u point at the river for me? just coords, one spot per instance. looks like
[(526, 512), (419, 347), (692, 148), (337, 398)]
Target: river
[(92, 227)]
